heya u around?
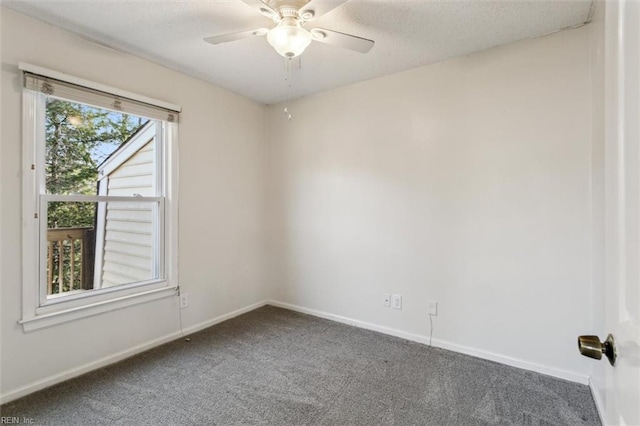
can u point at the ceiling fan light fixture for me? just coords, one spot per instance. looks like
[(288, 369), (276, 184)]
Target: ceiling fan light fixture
[(289, 39)]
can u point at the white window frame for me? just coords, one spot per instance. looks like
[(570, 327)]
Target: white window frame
[(38, 311)]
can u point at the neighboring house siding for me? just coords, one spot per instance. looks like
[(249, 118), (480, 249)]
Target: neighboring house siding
[(135, 176), (128, 227)]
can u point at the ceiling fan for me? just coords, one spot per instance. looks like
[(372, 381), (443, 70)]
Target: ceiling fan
[(289, 37)]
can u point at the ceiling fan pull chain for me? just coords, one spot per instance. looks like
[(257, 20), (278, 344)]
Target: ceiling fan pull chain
[(287, 79)]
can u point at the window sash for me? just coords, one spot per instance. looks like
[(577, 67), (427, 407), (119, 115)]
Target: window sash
[(159, 266), (95, 198)]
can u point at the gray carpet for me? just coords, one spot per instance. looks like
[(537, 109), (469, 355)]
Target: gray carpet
[(276, 367)]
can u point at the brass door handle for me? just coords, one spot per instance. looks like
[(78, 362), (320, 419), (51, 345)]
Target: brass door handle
[(590, 346)]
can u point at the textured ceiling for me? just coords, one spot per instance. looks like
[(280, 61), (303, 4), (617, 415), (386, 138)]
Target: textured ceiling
[(408, 34)]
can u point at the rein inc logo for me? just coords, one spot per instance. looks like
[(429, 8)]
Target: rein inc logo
[(16, 421)]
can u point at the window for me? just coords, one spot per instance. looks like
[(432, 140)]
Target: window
[(100, 198)]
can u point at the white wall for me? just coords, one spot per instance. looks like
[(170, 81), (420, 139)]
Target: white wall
[(222, 164), (467, 182)]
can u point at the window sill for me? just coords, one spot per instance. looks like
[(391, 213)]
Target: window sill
[(71, 314)]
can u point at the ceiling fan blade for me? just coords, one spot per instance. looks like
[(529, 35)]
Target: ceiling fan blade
[(224, 38), (264, 8), (346, 41), (316, 8)]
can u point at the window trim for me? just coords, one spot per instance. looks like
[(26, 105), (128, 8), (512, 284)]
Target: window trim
[(48, 319), (67, 78), (36, 315)]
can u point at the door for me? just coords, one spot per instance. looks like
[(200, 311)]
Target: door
[(622, 233)]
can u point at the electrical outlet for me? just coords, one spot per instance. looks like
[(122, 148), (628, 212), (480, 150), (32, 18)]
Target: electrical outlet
[(184, 300), (433, 307), (387, 299), (396, 300)]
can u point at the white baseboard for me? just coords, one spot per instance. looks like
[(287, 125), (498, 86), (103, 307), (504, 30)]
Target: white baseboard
[(78, 371), (599, 402), (111, 359), (478, 353), (217, 320)]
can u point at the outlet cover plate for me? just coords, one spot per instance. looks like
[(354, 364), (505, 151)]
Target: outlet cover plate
[(433, 307), (184, 300), (396, 301), (387, 299)]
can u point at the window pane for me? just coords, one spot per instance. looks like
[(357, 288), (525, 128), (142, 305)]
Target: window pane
[(67, 260), (116, 246), (130, 233), (79, 140)]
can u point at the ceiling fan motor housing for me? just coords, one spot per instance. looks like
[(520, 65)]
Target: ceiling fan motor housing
[(287, 7)]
